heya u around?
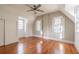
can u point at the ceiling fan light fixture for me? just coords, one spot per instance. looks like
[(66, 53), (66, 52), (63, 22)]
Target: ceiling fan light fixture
[(35, 8)]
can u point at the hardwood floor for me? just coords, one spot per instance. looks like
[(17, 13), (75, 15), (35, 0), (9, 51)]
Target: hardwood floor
[(34, 45)]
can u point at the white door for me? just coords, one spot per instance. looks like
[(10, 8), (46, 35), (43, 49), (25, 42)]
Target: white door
[(1, 32)]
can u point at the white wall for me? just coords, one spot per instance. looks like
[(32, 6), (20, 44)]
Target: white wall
[(77, 28), (69, 30), (77, 41), (1, 32), (11, 16), (48, 32)]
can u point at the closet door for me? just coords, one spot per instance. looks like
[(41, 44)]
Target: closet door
[(2, 36)]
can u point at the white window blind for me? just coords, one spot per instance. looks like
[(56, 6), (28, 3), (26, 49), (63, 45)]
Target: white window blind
[(22, 22)]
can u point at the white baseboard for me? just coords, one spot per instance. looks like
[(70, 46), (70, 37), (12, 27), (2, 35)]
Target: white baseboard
[(10, 42), (76, 48), (1, 44), (61, 40)]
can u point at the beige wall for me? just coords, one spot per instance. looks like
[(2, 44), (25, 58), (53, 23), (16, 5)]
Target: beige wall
[(47, 26), (69, 30), (11, 16), (1, 32)]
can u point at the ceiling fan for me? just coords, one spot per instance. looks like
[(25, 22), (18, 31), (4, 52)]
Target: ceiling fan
[(34, 8)]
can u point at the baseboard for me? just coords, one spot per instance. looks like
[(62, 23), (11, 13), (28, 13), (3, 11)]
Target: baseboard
[(76, 48), (61, 40), (66, 41), (7, 43), (11, 43), (1, 44)]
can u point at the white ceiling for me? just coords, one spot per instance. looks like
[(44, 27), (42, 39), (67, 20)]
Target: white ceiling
[(23, 8)]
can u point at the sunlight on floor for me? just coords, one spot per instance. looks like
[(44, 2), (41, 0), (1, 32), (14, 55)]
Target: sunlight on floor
[(20, 48), (39, 47), (60, 49)]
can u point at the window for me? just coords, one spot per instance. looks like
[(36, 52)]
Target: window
[(77, 19), (22, 22), (70, 8), (58, 27), (39, 27)]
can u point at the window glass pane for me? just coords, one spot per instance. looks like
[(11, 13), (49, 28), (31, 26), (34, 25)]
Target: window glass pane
[(38, 27), (70, 8), (77, 19), (61, 35), (58, 27)]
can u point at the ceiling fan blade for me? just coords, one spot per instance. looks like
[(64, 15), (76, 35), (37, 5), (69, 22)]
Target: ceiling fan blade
[(40, 10), (29, 10), (29, 6), (39, 5), (34, 6)]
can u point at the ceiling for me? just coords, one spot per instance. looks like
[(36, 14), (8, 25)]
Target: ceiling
[(23, 8)]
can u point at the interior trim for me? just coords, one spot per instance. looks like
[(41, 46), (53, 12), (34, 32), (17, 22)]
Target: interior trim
[(66, 41)]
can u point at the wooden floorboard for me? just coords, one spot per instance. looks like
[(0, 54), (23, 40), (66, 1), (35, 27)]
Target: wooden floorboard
[(34, 45)]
